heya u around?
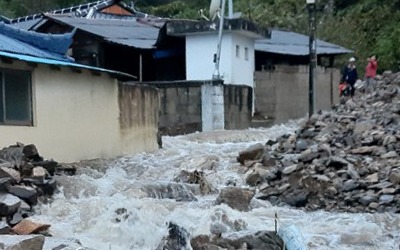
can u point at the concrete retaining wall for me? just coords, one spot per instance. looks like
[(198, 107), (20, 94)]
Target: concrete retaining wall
[(282, 94)]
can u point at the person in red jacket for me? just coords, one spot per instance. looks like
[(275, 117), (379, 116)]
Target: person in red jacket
[(370, 73)]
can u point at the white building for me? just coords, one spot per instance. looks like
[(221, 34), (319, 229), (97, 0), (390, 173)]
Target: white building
[(236, 61)]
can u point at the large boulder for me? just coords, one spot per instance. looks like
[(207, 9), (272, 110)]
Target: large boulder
[(259, 240), (6, 172), (27, 226), (28, 194), (254, 152), (236, 198), (18, 242)]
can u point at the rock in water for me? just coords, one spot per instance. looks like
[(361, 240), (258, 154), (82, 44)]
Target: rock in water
[(252, 153), (259, 240), (26, 227), (236, 198), (18, 242), (177, 238)]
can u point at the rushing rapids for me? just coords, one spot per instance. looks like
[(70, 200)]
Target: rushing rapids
[(128, 203)]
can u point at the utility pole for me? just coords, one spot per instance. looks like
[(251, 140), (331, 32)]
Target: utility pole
[(311, 5), (216, 74)]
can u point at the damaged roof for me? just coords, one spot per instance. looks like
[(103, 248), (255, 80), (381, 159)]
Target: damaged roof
[(291, 43), (131, 32), (41, 48), (34, 44)]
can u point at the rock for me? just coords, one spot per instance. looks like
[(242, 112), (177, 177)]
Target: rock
[(252, 153), (268, 161), (373, 178), (373, 205), (236, 198), (349, 185), (27, 226), (18, 242), (13, 155), (365, 200), (39, 173), (177, 238), (301, 145), (4, 228), (363, 126), (394, 177), (298, 199), (289, 169), (364, 150), (385, 199), (9, 204), (259, 240), (352, 172), (391, 154), (28, 194), (52, 243), (256, 175), (53, 168), (307, 156), (5, 182), (48, 187), (31, 153), (389, 139), (337, 162), (10, 173), (15, 219)]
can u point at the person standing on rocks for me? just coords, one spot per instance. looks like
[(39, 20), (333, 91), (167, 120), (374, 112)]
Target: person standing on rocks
[(370, 73), (350, 75)]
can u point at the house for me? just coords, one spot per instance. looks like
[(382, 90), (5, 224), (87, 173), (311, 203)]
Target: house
[(173, 54), (282, 77), (69, 110)]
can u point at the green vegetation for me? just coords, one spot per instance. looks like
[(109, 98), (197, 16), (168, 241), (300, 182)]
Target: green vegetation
[(366, 26)]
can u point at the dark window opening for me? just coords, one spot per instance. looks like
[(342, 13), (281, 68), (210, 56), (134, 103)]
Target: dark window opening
[(15, 97)]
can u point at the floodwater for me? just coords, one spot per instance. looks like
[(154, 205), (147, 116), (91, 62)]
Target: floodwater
[(85, 209)]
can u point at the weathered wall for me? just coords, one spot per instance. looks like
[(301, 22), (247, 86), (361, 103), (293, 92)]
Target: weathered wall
[(76, 117), (282, 94), (139, 105), (181, 107), (238, 106)]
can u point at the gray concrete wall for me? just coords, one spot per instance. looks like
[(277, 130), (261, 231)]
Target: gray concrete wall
[(282, 94), (181, 107), (238, 106)]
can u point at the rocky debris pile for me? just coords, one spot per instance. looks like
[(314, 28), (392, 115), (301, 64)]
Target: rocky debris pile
[(343, 160), (25, 179)]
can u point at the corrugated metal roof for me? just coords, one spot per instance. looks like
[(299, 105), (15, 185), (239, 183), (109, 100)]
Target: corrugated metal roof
[(33, 59), (291, 43), (127, 32), (26, 25), (34, 44)]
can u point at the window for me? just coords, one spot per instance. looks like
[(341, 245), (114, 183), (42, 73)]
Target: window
[(15, 97), (246, 54), (237, 51)]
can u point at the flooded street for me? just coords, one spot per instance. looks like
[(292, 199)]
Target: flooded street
[(143, 188)]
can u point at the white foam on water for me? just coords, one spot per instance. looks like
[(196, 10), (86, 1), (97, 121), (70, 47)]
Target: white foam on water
[(86, 206)]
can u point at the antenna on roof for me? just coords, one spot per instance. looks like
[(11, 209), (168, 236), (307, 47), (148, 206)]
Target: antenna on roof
[(215, 7)]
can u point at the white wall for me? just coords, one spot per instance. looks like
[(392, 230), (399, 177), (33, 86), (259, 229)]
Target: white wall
[(76, 116), (200, 50)]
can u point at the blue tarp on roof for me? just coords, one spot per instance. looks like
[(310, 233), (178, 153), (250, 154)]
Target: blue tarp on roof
[(34, 59), (23, 45), (291, 43), (35, 44)]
